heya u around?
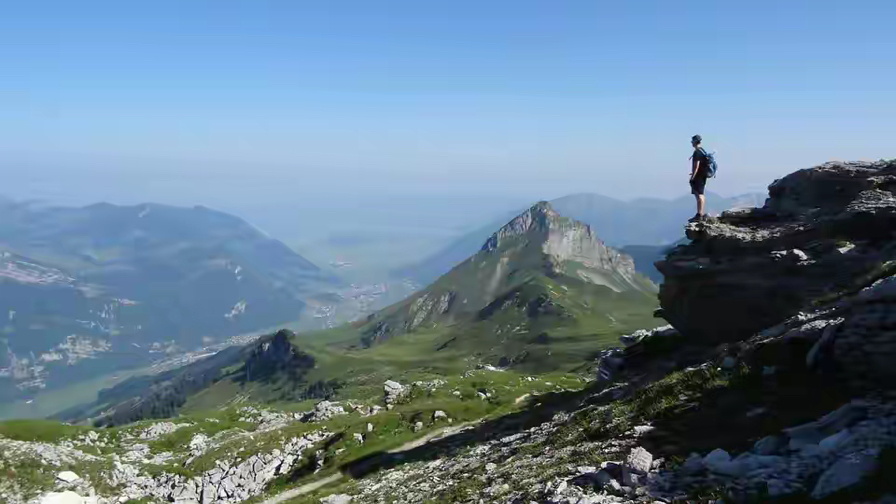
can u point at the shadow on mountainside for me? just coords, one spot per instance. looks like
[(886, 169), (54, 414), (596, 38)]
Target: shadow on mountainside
[(542, 409), (645, 369), (736, 416)]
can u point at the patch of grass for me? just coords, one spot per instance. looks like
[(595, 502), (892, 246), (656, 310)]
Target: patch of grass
[(46, 431), (29, 475)]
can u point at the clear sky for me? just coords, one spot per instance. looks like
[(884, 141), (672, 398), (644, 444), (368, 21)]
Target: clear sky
[(191, 101)]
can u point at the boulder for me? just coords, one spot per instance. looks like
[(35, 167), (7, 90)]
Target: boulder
[(693, 464), (639, 459), (845, 472), (439, 415), (67, 476), (596, 480), (769, 445), (392, 392), (336, 499)]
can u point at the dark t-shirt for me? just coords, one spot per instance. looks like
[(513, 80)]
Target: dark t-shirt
[(702, 162)]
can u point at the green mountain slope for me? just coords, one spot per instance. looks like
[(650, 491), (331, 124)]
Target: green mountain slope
[(538, 274), (84, 291), (272, 363)]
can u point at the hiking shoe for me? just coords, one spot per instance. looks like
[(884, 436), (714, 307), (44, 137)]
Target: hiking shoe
[(696, 218)]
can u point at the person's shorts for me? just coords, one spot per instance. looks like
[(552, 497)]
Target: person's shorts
[(698, 185)]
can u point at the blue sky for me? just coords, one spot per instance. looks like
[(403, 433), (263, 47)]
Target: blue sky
[(193, 101)]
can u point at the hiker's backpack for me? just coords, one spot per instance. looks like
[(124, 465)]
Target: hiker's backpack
[(712, 166)]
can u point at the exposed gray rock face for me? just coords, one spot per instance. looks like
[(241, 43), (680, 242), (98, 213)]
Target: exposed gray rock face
[(820, 230), (275, 355), (427, 306), (567, 240)]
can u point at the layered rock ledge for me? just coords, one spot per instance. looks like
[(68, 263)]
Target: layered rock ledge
[(822, 232)]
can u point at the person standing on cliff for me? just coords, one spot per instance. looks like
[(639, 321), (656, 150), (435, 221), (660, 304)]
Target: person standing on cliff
[(699, 173)]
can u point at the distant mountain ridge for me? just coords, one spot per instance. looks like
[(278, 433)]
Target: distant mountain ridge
[(643, 221), (110, 285)]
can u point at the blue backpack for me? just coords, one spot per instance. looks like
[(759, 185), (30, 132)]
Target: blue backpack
[(711, 162)]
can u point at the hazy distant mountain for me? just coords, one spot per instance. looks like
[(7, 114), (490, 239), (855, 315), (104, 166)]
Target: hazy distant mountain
[(111, 285), (644, 221)]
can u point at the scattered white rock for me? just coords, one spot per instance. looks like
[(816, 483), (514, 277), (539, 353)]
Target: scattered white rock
[(157, 430), (67, 497), (336, 499), (198, 444), (324, 411), (67, 476)]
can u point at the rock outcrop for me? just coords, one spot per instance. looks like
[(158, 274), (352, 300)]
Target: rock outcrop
[(823, 231), (277, 355), (230, 481)]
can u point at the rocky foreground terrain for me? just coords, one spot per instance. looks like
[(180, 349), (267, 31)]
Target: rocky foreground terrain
[(774, 382)]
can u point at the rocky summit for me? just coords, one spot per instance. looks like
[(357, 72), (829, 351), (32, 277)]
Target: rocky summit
[(773, 382), (566, 241)]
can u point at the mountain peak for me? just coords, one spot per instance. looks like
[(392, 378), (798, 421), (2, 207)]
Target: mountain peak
[(539, 217)]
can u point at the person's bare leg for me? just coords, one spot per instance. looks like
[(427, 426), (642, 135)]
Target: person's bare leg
[(701, 205)]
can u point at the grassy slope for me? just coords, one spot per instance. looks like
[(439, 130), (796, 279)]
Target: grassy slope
[(552, 344)]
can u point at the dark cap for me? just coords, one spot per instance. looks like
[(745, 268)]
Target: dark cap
[(696, 139)]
